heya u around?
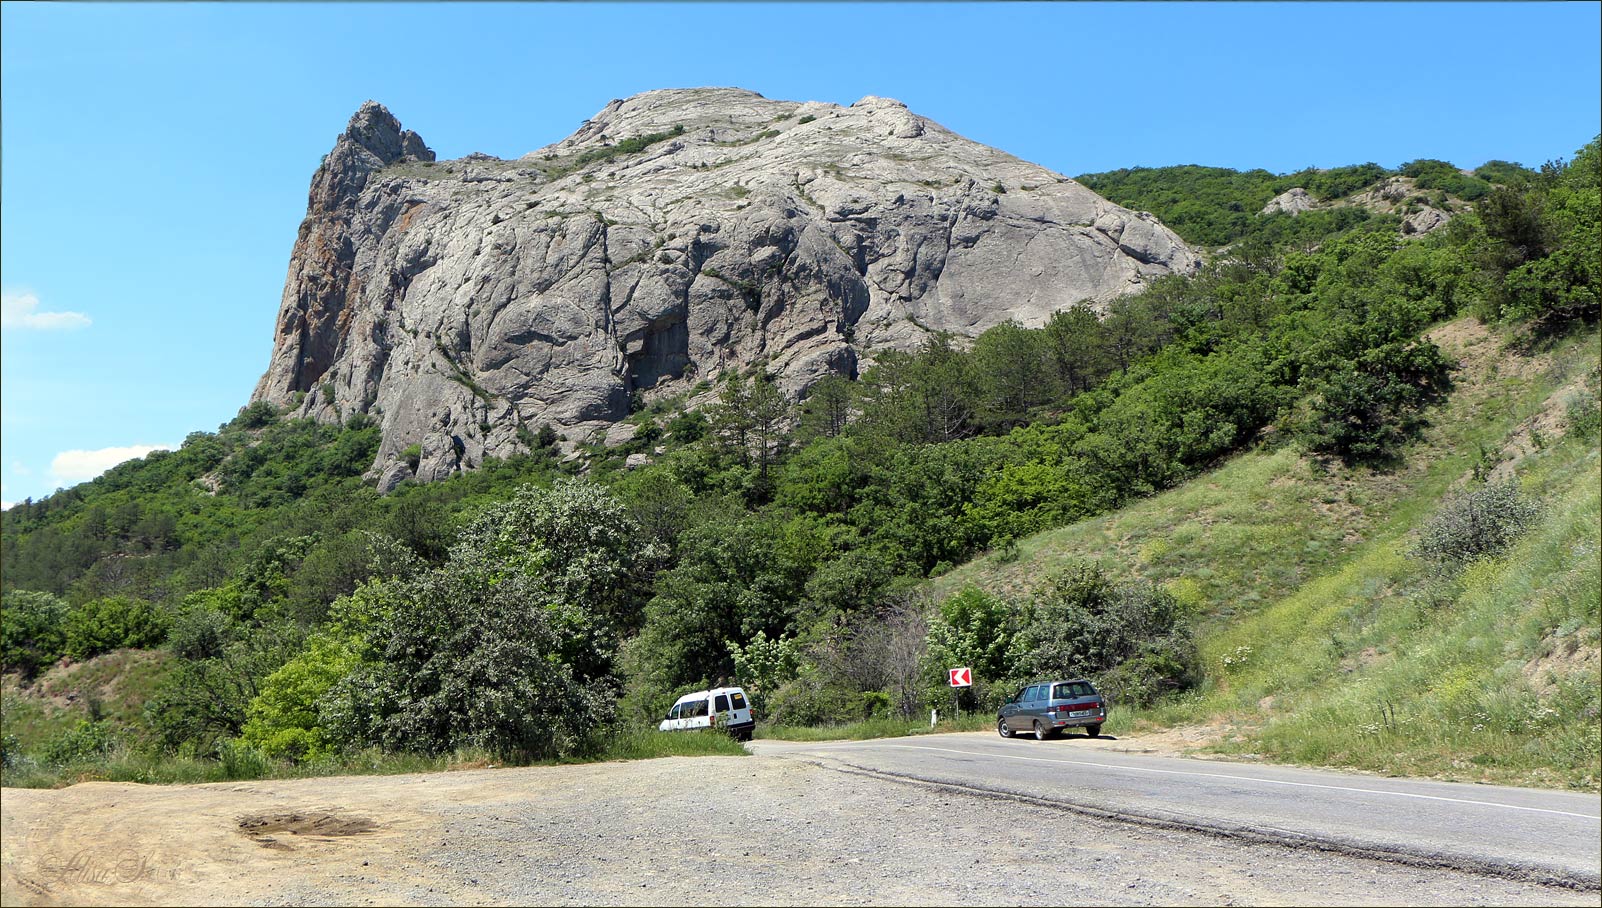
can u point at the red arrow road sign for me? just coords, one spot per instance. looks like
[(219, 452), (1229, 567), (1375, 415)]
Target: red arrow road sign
[(961, 677)]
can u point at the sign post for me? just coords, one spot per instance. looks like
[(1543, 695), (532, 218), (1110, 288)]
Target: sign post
[(959, 677)]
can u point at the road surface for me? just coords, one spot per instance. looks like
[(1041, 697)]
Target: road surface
[(785, 829), (1527, 834)]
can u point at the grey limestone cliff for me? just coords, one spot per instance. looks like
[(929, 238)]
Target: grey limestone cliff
[(676, 234)]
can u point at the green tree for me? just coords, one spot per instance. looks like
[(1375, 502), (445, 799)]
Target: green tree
[(32, 632), (102, 625), (826, 409)]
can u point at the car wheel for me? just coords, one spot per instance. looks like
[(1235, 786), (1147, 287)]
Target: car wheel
[(1093, 730), (1003, 729), (1040, 732)]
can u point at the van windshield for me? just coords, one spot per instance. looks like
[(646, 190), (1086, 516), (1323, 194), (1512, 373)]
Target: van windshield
[(1073, 690)]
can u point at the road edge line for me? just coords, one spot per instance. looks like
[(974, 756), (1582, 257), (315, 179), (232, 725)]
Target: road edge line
[(1523, 873)]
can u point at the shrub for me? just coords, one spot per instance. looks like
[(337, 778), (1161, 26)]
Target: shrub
[(283, 721), (31, 633), (200, 631), (1583, 417), (762, 666), (1134, 637), (1480, 524), (509, 646), (205, 700), (811, 698), (463, 660), (258, 415), (102, 625), (83, 743)]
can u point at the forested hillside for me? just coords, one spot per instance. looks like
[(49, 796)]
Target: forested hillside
[(303, 619)]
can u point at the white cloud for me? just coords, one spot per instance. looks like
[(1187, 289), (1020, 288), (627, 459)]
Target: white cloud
[(6, 505), (72, 467), (20, 310)]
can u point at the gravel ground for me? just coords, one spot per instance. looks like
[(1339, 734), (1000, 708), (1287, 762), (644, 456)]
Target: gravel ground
[(676, 831)]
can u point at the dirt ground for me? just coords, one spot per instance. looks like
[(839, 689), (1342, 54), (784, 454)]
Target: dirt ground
[(675, 831)]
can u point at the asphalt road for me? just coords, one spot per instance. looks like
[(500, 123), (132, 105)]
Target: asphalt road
[(1535, 835)]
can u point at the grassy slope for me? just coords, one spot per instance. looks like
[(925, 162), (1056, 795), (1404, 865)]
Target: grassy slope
[(1325, 643)]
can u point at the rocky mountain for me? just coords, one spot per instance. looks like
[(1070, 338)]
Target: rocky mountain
[(678, 233)]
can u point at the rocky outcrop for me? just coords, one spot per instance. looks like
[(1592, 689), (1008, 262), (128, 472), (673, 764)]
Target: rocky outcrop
[(676, 234), (1292, 201), (1424, 220)]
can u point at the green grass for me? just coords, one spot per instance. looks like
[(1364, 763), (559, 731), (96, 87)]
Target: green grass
[(1487, 676), (126, 763), (113, 687), (1325, 642), (874, 728), (646, 744)]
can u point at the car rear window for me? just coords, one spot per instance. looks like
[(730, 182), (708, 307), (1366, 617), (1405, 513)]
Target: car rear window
[(1073, 690), (722, 704), (739, 700)]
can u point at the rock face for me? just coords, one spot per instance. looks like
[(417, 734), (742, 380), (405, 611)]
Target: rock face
[(677, 234), (1292, 201)]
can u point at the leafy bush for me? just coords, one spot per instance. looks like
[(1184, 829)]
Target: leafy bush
[(1134, 637), (102, 625), (1364, 410), (205, 700), (1432, 174), (83, 743), (31, 631), (813, 698), (200, 631), (508, 647), (465, 659), (762, 666), (1480, 524), (283, 720), (1583, 416)]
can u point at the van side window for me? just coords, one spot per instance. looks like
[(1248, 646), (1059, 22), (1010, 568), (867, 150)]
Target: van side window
[(722, 704), (739, 700), (674, 712), (694, 709)]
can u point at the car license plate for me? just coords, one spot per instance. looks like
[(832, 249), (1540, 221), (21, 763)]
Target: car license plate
[(1081, 712)]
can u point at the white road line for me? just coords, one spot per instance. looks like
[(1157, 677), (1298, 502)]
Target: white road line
[(1219, 775)]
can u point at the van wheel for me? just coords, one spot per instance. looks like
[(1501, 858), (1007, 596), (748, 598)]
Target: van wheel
[(1002, 728), (1093, 730), (1040, 732)]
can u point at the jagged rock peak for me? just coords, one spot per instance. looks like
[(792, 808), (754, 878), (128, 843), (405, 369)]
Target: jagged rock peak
[(376, 130)]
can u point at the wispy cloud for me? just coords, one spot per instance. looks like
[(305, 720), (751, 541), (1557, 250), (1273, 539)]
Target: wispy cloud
[(72, 467), (21, 310)]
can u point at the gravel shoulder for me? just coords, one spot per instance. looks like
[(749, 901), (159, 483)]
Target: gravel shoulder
[(674, 831)]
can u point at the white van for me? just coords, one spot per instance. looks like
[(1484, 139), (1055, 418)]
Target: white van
[(723, 707)]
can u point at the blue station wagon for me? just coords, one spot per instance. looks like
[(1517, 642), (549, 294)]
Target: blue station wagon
[(1047, 708)]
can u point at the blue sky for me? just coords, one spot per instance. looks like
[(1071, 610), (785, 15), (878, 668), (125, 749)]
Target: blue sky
[(154, 159)]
